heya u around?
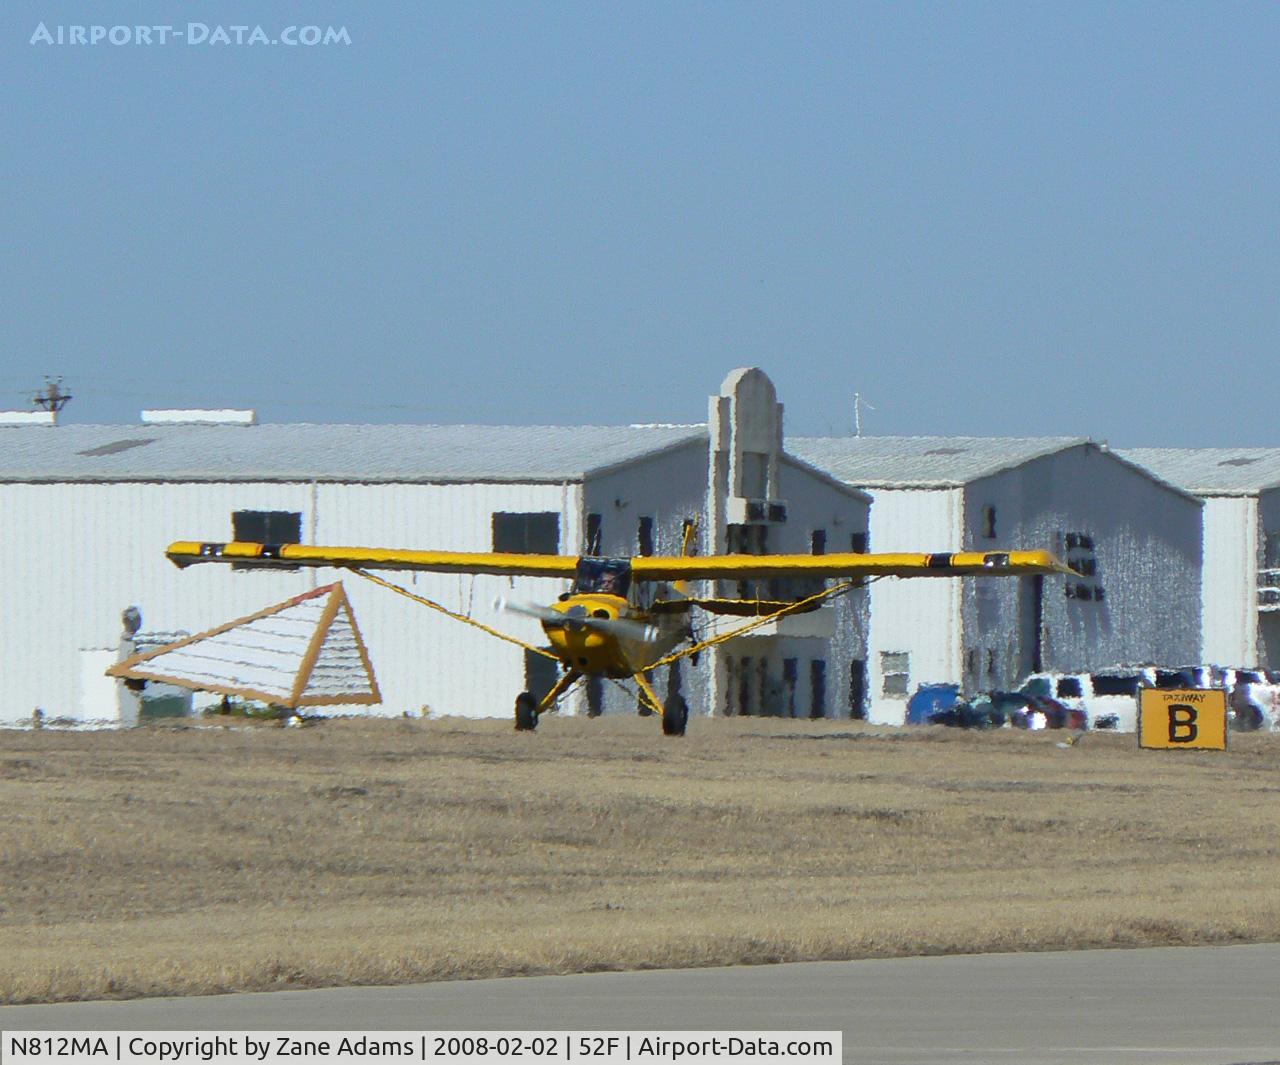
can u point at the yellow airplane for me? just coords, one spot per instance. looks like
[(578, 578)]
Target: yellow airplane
[(625, 616)]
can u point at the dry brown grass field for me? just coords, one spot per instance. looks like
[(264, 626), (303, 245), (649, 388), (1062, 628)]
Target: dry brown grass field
[(192, 860)]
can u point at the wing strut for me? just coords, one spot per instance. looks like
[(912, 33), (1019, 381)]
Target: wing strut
[(453, 614), (648, 694), (561, 687), (791, 608)]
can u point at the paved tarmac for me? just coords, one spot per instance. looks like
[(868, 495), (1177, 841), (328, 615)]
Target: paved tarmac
[(1171, 1006)]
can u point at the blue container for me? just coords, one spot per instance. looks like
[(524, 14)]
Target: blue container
[(931, 699)]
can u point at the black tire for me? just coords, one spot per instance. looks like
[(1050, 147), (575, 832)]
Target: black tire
[(675, 716), (526, 712)]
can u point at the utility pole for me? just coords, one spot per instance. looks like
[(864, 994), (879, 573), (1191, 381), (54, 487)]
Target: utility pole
[(858, 404), (52, 399)]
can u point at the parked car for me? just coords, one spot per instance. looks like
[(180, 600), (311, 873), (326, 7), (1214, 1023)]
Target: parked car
[(1046, 712), (1253, 698), (1067, 688), (980, 712), (1000, 709), (1105, 700), (1110, 697)]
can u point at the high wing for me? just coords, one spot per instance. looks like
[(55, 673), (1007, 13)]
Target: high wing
[(278, 556), (650, 568), (849, 564)]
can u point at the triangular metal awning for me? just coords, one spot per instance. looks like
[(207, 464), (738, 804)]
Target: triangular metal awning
[(306, 651)]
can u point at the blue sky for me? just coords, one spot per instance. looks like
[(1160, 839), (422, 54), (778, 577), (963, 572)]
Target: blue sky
[(1015, 218)]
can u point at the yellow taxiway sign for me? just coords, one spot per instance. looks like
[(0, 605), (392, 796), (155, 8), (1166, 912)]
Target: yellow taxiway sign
[(1195, 718)]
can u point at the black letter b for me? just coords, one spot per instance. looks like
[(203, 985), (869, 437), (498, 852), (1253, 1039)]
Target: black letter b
[(1182, 723)]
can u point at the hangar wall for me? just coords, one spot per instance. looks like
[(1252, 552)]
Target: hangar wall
[(1264, 606), (914, 635), (1230, 572), (1138, 540), (666, 488), (74, 555), (422, 658), (819, 503)]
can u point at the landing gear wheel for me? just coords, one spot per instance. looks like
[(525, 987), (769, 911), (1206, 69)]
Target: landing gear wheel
[(675, 716), (526, 712)]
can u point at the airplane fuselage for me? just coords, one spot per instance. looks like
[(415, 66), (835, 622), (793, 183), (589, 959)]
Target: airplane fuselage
[(588, 650)]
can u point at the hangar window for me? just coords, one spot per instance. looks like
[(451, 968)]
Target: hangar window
[(895, 668), (747, 539), (1115, 684), (858, 689), (988, 522), (266, 527), (818, 686), (859, 543), (644, 537), (790, 676), (1079, 554), (595, 534), (770, 692), (744, 686), (818, 541), (527, 534)]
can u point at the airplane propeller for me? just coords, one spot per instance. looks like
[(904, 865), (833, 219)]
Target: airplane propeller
[(621, 628)]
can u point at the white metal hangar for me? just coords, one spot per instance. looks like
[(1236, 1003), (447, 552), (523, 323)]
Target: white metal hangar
[(1134, 539), (1240, 488), (86, 512)]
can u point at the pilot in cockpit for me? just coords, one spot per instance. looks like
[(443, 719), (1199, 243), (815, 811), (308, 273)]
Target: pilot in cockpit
[(603, 576)]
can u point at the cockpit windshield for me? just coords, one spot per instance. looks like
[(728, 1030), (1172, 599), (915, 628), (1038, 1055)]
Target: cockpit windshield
[(607, 576)]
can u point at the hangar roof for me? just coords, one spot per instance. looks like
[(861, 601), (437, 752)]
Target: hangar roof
[(334, 453), (1212, 471), (922, 461)]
